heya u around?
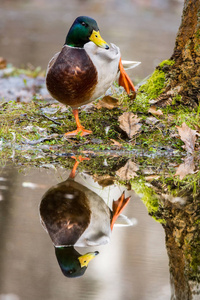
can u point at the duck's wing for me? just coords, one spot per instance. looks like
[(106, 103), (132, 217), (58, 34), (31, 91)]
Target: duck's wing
[(130, 64), (52, 61), (106, 63), (99, 55)]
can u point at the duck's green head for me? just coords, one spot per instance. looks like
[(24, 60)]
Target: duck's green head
[(72, 263), (83, 30)]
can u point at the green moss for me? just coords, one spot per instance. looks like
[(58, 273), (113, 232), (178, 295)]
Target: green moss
[(197, 33), (155, 84), (167, 62), (192, 255), (176, 99), (30, 72), (153, 139), (148, 196), (140, 104)]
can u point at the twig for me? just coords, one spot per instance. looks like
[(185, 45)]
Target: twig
[(57, 123)]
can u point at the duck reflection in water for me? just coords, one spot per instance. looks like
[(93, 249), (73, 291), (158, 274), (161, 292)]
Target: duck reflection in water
[(73, 215)]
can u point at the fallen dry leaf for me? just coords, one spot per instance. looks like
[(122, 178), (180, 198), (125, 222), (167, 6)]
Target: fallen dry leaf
[(3, 63), (151, 120), (107, 102), (187, 167), (115, 143), (128, 171), (188, 136), (152, 177), (153, 110), (129, 123)]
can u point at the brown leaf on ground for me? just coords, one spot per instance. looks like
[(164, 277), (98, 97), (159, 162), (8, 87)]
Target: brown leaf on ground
[(153, 110), (151, 120), (152, 177), (129, 123), (187, 167), (128, 171), (188, 136), (115, 143), (3, 63), (197, 127), (108, 102)]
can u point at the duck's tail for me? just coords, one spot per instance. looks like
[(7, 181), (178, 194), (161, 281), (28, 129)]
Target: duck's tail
[(117, 208), (124, 79)]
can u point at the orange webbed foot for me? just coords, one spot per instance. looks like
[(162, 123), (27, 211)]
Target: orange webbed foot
[(80, 129), (124, 79), (118, 206)]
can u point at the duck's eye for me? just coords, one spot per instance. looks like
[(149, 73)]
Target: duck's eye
[(84, 24)]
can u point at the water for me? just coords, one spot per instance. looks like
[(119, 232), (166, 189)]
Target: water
[(133, 265)]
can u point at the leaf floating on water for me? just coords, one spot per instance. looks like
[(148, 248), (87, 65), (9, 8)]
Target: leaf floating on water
[(187, 167), (88, 152), (115, 143), (154, 111), (106, 182), (128, 171), (108, 102), (188, 136), (129, 123)]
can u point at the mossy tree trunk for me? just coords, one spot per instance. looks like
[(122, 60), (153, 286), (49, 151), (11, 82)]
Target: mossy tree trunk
[(183, 80)]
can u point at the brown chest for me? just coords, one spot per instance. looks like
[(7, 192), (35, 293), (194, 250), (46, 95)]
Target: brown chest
[(72, 78)]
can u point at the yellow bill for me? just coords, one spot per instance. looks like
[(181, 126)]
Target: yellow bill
[(86, 258), (97, 39)]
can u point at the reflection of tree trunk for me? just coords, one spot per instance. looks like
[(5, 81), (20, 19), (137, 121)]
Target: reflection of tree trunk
[(183, 247), (179, 212), (184, 78), (179, 284)]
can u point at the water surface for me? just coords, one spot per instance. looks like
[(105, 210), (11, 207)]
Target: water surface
[(134, 265)]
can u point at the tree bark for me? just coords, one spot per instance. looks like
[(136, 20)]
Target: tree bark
[(181, 212), (183, 79)]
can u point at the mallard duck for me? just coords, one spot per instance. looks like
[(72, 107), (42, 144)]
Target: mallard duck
[(85, 68), (75, 216)]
